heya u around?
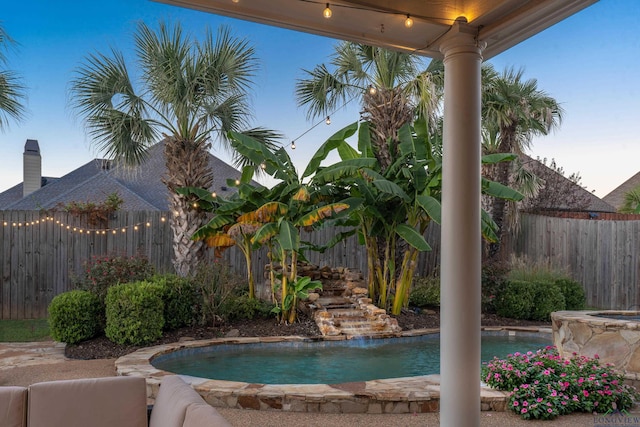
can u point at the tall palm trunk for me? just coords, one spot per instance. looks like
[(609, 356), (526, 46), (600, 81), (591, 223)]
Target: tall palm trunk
[(187, 166), (387, 110), (508, 144)]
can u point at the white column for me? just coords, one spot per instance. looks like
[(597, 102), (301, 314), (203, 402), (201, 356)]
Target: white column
[(461, 238)]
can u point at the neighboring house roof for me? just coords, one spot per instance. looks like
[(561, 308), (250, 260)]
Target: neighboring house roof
[(140, 188), (566, 194), (616, 197)]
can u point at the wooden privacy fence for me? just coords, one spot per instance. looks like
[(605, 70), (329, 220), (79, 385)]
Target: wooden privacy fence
[(40, 254), (602, 255)]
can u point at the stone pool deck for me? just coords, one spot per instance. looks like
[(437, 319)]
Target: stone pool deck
[(388, 396)]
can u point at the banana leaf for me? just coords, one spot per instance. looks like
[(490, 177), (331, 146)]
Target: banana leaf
[(412, 237)]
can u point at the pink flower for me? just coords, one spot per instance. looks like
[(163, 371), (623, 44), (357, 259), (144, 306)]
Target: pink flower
[(549, 410), (525, 403), (523, 411), (585, 393), (516, 403)]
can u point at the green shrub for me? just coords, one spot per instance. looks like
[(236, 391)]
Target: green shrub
[(75, 316), (102, 272), (516, 301), (216, 283), (134, 313), (180, 300), (241, 307), (425, 292), (547, 297), (494, 279), (573, 292)]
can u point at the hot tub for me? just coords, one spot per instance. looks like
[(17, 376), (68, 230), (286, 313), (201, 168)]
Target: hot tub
[(612, 335)]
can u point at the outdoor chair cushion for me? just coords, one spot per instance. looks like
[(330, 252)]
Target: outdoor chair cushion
[(95, 402), (13, 406), (203, 414), (174, 399)]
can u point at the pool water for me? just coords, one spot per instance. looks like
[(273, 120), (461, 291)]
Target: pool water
[(330, 362)]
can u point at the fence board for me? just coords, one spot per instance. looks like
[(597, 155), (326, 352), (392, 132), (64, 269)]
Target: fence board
[(602, 255), (41, 260)]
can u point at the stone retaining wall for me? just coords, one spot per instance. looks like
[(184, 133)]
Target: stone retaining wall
[(587, 333), (331, 278)]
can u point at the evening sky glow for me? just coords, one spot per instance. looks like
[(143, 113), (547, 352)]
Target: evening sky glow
[(590, 63)]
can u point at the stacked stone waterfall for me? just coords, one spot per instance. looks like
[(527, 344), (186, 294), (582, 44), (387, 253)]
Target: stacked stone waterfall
[(342, 307)]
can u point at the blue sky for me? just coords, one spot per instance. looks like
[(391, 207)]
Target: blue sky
[(590, 63)]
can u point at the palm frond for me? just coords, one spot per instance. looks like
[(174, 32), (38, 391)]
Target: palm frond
[(115, 116), (12, 96), (322, 92)]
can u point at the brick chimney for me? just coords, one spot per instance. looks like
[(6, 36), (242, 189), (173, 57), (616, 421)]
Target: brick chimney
[(32, 167)]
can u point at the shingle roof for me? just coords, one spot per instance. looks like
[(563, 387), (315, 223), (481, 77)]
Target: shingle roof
[(580, 200), (616, 197), (140, 188)]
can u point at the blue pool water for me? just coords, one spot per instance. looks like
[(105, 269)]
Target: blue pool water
[(330, 362)]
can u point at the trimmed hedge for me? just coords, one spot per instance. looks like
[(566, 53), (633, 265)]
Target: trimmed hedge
[(75, 316), (180, 300), (547, 298), (573, 294), (535, 300), (516, 301), (134, 313)]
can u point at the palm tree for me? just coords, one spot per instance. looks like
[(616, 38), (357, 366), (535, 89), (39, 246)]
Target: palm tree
[(191, 92), (631, 201), (12, 92), (514, 110), (389, 84)]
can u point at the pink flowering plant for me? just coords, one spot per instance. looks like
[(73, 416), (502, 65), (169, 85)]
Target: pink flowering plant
[(543, 385)]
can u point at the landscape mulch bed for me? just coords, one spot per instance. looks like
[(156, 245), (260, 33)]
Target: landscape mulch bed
[(102, 348)]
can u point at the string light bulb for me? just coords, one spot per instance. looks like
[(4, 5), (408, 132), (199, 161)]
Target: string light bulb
[(263, 165), (327, 12), (235, 1), (293, 145), (408, 22), (214, 195), (237, 182), (372, 90), (328, 120)]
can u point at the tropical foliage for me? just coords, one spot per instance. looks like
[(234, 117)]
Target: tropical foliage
[(191, 92), (12, 92), (631, 203), (514, 110), (391, 209)]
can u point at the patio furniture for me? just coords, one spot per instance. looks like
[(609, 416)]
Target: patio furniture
[(105, 402)]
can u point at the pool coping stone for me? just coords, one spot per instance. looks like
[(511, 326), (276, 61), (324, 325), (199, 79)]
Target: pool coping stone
[(394, 395)]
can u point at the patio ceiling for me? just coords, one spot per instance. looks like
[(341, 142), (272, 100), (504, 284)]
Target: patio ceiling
[(500, 23)]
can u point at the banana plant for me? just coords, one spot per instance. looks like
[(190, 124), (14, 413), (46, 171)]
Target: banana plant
[(290, 206), (232, 224), (395, 206)]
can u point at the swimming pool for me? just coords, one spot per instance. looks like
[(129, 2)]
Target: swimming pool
[(331, 362)]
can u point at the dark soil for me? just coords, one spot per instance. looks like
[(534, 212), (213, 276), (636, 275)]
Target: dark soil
[(102, 348)]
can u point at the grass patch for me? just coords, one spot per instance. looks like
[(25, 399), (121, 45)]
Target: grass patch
[(24, 330)]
